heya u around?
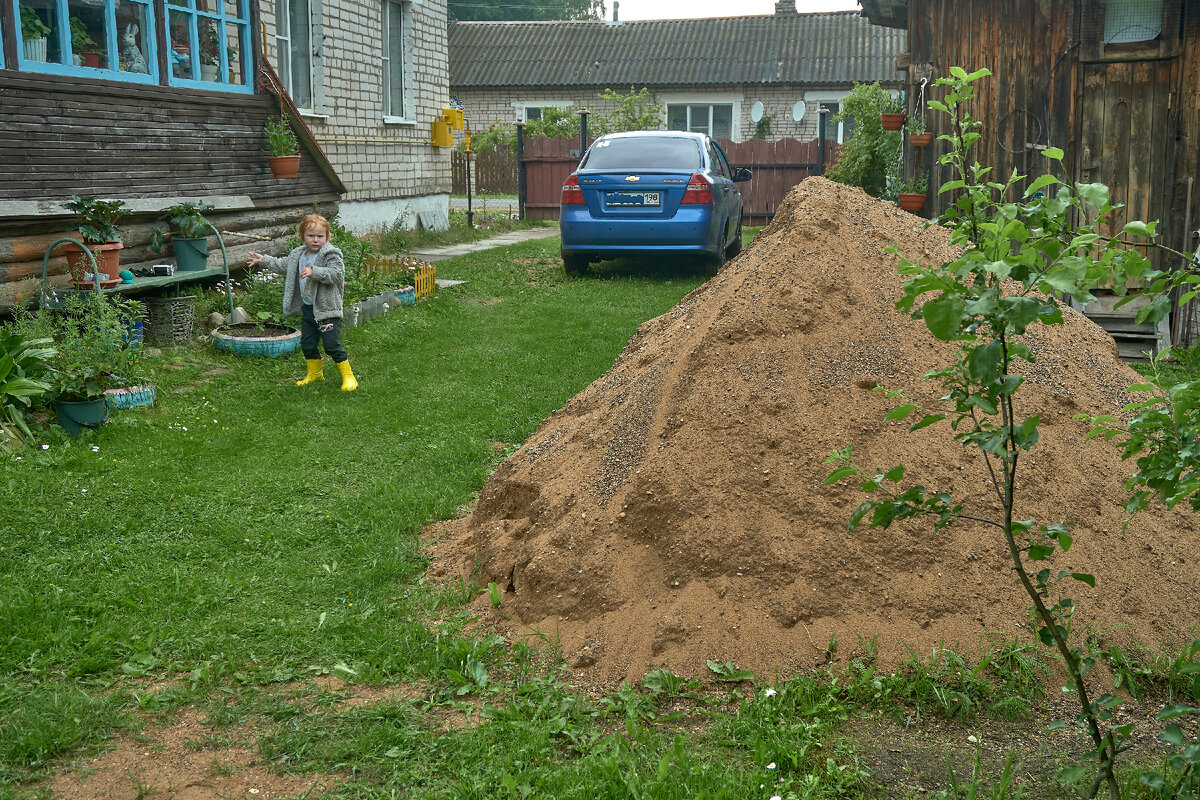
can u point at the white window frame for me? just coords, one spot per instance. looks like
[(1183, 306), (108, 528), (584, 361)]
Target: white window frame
[(283, 49), (408, 42), (708, 100), (520, 107)]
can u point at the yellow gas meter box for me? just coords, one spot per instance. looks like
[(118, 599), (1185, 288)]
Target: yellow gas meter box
[(454, 116), (442, 137)]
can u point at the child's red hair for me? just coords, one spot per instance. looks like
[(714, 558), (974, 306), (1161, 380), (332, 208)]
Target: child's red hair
[(313, 221)]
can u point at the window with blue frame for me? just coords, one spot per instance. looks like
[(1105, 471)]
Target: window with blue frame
[(121, 39), (207, 41)]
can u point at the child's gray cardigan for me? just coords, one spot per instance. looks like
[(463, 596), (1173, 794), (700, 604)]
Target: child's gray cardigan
[(329, 273)]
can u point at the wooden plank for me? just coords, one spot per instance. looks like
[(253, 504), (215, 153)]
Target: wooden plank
[(1116, 169), (1144, 96)]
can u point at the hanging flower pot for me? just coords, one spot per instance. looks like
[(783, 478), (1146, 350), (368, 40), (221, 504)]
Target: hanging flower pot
[(911, 201), (920, 139), (892, 121), (284, 166)]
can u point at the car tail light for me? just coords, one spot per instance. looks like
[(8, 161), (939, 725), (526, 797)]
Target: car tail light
[(572, 195), (698, 191)]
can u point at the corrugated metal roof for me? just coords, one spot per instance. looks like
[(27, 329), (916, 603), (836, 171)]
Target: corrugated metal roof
[(833, 48)]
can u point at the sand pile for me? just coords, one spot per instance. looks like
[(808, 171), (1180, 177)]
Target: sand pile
[(674, 511)]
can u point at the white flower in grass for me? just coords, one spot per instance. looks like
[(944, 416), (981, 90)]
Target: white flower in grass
[(770, 693), (95, 448), (83, 490), (185, 427), (45, 447), (776, 797), (771, 765)]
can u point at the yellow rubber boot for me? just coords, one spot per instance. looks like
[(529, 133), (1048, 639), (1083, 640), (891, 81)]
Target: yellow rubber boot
[(349, 384), (314, 372)]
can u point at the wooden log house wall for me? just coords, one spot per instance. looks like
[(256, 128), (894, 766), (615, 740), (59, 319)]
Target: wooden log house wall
[(151, 146), (1126, 115)]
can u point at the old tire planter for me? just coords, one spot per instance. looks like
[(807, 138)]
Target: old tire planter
[(191, 254), (130, 397), (248, 340), (75, 415)]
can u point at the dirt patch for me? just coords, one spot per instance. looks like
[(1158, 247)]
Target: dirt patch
[(674, 512), (181, 760), (917, 758)]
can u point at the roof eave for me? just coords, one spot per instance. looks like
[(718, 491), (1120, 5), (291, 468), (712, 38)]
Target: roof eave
[(888, 13)]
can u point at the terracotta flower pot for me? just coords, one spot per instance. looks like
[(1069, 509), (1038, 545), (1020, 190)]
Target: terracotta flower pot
[(284, 166), (108, 259), (893, 122), (911, 201), (920, 139)]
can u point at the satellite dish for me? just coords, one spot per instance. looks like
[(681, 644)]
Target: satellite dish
[(798, 110), (756, 111)]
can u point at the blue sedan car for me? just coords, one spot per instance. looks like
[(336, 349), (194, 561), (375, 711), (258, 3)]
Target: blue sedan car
[(646, 193)]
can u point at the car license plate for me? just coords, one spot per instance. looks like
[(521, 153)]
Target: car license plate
[(633, 199)]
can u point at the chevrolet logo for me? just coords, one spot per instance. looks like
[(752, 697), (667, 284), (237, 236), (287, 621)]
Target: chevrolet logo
[(632, 178)]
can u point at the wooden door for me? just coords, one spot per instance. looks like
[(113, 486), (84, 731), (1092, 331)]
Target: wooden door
[(1125, 137)]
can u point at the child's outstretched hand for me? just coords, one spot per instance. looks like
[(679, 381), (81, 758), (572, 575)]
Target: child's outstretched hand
[(253, 259)]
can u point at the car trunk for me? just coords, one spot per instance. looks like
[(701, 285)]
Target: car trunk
[(612, 195)]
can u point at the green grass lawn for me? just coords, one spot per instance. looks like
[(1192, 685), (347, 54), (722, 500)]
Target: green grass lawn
[(245, 536)]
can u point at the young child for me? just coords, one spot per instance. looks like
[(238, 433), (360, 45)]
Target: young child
[(315, 279)]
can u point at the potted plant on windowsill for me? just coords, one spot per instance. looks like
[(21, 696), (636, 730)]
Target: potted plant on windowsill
[(84, 48), (911, 193), (210, 59), (892, 114), (917, 135), (33, 35), (190, 234), (97, 226), (284, 150)]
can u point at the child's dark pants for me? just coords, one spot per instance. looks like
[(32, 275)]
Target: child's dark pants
[(325, 332)]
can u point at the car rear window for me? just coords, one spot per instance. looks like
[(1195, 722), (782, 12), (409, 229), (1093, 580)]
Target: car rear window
[(644, 152)]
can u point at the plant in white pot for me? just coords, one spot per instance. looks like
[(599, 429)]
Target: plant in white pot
[(97, 226), (189, 234), (33, 35)]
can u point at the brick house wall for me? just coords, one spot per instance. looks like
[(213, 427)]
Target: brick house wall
[(485, 107), (392, 171)]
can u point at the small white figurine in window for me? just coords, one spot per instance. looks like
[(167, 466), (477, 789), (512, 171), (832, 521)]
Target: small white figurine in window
[(134, 60)]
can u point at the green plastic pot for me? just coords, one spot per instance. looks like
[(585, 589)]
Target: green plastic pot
[(191, 254), (75, 415)]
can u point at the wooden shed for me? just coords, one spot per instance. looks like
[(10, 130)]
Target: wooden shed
[(1114, 83)]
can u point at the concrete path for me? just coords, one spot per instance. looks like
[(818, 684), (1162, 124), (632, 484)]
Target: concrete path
[(436, 254)]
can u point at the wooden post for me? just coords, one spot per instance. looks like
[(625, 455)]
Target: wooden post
[(520, 169)]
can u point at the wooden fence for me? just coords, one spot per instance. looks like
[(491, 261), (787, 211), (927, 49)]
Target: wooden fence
[(776, 167), (493, 172)]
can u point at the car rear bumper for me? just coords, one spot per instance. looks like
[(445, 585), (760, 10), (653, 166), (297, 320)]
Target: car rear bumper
[(694, 231)]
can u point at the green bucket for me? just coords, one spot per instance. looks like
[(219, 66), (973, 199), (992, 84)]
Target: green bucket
[(75, 415), (191, 254)]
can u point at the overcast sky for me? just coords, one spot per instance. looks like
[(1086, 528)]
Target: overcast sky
[(686, 9)]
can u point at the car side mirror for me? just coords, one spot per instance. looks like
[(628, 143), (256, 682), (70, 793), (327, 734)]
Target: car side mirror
[(741, 174)]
